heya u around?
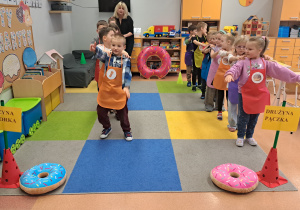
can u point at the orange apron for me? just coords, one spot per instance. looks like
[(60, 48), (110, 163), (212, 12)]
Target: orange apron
[(255, 93), (219, 80), (101, 74), (111, 94)]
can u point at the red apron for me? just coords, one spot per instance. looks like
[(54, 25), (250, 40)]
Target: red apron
[(255, 93), (111, 95)]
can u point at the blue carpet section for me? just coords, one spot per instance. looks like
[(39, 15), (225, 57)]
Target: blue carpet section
[(144, 101), (120, 166)]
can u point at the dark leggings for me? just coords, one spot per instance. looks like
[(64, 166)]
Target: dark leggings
[(221, 99), (196, 72)]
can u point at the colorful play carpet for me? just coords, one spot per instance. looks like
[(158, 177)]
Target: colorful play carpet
[(176, 144)]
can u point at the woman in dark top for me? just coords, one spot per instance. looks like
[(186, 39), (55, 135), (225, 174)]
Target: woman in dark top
[(125, 24)]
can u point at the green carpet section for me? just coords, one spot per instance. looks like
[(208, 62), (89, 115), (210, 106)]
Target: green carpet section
[(65, 126), (173, 87)]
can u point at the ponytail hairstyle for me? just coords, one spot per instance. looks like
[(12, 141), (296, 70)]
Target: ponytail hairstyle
[(262, 43)]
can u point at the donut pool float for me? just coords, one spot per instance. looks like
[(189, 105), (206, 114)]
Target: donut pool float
[(43, 178), (163, 55), (234, 178)]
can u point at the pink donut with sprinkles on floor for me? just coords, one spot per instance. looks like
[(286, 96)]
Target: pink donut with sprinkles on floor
[(234, 178)]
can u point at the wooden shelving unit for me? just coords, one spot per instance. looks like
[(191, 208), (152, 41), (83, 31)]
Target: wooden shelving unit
[(155, 61)]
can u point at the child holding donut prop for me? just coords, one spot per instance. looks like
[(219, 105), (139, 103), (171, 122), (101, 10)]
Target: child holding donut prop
[(253, 93)]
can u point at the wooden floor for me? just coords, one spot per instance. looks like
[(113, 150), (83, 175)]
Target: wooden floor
[(289, 163)]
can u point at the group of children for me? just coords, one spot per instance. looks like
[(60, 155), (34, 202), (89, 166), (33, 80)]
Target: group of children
[(235, 66), (113, 76)]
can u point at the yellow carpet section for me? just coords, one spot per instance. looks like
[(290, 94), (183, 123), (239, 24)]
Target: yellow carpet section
[(92, 88), (198, 125)]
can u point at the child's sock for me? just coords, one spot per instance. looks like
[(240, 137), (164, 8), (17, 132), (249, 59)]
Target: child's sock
[(219, 116)]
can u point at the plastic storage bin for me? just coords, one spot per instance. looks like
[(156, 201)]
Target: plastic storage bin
[(284, 31)]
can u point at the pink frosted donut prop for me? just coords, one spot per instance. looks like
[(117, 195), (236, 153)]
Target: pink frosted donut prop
[(164, 56), (234, 178)]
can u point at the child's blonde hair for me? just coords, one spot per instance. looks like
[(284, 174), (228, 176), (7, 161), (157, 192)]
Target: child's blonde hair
[(119, 37), (240, 39), (210, 34), (262, 43), (229, 37), (201, 25)]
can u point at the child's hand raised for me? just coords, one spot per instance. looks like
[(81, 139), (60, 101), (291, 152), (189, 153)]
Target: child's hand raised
[(93, 47), (125, 54), (126, 90), (229, 78), (241, 57)]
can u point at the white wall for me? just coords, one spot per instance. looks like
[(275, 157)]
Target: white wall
[(51, 31), (144, 13), (233, 13)]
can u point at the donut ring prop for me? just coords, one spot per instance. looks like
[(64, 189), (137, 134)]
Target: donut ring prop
[(234, 178), (43, 178), (163, 55)]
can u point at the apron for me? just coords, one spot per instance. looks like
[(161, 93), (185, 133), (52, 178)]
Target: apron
[(219, 80), (111, 94), (233, 92), (189, 58), (205, 66), (198, 56), (255, 93)]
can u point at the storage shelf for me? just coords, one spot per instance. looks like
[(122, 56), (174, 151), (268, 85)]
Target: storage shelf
[(58, 11)]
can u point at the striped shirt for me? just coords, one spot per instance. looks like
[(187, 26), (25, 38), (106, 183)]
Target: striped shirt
[(115, 61)]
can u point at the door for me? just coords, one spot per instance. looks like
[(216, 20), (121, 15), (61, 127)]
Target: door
[(191, 9), (211, 9), (290, 10)]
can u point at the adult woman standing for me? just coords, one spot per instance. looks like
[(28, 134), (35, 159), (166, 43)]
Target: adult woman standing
[(125, 23)]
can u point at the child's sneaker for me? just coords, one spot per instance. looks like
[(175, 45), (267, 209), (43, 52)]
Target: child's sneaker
[(219, 116), (189, 84), (128, 136), (239, 142), (202, 96), (194, 88), (105, 133), (251, 141), (231, 129)]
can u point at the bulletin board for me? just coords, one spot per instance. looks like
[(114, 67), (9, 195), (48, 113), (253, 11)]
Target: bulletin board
[(15, 36)]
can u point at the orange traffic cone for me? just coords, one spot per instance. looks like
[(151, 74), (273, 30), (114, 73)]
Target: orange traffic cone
[(10, 171), (269, 174)]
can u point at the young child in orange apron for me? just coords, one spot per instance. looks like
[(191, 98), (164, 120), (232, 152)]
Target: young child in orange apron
[(114, 90), (253, 93), (219, 82)]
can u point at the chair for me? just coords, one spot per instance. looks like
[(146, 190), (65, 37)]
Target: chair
[(30, 59), (293, 89)]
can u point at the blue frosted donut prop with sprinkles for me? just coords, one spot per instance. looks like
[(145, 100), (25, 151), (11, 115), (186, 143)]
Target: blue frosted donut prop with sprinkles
[(43, 178), (164, 57)]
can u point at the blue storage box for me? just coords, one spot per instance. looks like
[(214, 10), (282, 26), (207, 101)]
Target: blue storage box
[(284, 31)]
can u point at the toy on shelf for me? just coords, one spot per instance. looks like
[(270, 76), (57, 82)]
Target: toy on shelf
[(252, 26), (163, 55), (158, 30), (173, 33), (230, 29)]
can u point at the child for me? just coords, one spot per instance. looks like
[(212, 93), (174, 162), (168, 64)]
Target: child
[(115, 27), (253, 93), (114, 90), (199, 43), (211, 92), (105, 36), (189, 55), (100, 24), (233, 95), (111, 20), (227, 41), (207, 59)]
